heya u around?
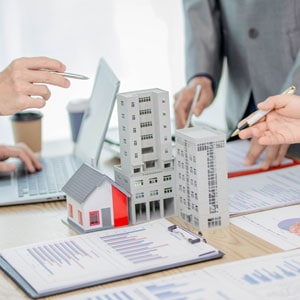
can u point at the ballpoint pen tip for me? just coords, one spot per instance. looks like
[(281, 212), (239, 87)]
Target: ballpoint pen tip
[(236, 132)]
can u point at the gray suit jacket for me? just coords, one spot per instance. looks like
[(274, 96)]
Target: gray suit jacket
[(260, 40)]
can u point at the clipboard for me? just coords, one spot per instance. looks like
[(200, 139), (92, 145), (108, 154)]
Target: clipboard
[(119, 253)]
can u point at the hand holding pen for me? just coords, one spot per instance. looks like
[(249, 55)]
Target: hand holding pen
[(281, 125), (259, 114), (183, 100)]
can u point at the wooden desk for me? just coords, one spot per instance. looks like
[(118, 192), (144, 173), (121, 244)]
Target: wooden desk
[(24, 224)]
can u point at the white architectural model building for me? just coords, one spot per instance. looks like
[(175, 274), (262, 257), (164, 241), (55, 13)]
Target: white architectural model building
[(201, 177), (147, 165)]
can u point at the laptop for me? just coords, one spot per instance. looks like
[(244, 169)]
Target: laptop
[(19, 187)]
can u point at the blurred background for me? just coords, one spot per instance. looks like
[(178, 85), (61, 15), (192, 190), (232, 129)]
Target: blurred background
[(142, 40)]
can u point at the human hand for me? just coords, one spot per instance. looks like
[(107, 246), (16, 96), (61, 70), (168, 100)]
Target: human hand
[(295, 228), (274, 154), (23, 85), (281, 125), (21, 151), (184, 98)]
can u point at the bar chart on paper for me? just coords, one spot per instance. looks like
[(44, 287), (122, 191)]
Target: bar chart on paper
[(192, 285), (135, 246), (273, 277), (288, 269), (119, 253)]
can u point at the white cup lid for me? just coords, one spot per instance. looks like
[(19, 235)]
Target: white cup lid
[(77, 105)]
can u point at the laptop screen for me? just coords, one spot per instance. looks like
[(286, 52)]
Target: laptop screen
[(97, 116)]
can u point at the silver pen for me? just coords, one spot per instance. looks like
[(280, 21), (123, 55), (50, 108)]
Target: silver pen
[(69, 75), (196, 97), (259, 114)]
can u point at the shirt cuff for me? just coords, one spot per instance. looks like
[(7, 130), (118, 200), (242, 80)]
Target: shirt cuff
[(213, 83)]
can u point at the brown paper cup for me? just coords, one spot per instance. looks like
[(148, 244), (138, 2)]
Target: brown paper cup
[(27, 128)]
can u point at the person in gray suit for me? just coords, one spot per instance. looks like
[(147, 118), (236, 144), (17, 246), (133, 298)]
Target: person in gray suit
[(260, 42)]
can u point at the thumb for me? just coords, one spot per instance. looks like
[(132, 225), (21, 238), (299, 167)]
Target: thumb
[(7, 167)]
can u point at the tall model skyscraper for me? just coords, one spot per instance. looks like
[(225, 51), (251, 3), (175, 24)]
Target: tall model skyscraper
[(147, 164), (201, 177)]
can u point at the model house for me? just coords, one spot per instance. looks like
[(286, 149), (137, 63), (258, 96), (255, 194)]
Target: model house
[(201, 177), (147, 164), (95, 201)]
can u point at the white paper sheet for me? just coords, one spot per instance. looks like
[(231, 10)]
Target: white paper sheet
[(236, 153), (268, 277), (273, 226), (103, 256), (264, 190)]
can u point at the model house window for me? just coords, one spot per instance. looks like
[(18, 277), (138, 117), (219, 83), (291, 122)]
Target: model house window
[(136, 155), (80, 221), (147, 150), (134, 130), (152, 180), (167, 177), (123, 116), (133, 117), (147, 136), (94, 218), (150, 164), (139, 182), (168, 190), (139, 195), (132, 104), (70, 210), (145, 111), (144, 99), (136, 170), (122, 103), (134, 143), (154, 193), (167, 165), (146, 124)]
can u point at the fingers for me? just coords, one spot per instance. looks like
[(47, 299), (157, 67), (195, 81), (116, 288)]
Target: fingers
[(38, 76), (24, 153), (183, 100), (36, 63), (7, 167), (254, 152), (274, 154), (295, 228), (256, 130)]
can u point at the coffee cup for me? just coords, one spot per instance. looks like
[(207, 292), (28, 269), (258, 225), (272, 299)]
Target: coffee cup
[(76, 109), (27, 128)]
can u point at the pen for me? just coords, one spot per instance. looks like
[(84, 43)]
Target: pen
[(257, 115), (196, 97), (69, 75)]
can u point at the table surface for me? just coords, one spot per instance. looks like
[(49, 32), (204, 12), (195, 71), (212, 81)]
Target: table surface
[(24, 224)]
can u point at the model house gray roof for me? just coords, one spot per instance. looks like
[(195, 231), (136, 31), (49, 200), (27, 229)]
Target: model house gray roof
[(85, 180)]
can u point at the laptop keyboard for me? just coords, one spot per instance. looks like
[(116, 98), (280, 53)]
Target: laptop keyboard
[(52, 178)]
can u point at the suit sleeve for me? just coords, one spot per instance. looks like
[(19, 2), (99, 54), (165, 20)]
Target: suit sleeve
[(203, 38), (293, 77)]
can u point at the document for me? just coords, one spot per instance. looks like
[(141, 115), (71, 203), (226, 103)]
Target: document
[(52, 267), (273, 226), (236, 153), (263, 191), (275, 277)]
